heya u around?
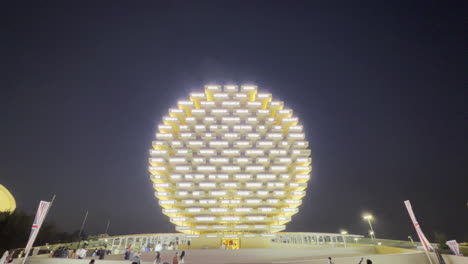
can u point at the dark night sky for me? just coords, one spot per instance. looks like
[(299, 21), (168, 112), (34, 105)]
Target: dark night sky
[(380, 88)]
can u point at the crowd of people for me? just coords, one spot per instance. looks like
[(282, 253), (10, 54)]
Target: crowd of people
[(368, 261), (136, 259), (80, 253), (135, 256), (61, 252), (176, 259), (101, 253)]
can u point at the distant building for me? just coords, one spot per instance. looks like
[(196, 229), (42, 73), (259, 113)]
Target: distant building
[(7, 201)]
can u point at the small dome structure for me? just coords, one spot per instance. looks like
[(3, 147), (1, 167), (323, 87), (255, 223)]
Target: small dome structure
[(7, 201)]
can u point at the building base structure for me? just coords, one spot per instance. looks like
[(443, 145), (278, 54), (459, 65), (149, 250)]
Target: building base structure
[(318, 255), (179, 241)]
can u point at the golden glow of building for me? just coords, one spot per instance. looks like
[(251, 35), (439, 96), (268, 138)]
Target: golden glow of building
[(7, 201), (230, 160)]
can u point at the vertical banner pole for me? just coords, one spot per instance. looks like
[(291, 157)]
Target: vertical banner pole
[(427, 245), (41, 214)]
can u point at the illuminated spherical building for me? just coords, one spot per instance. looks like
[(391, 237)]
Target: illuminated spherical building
[(7, 202), (230, 160)]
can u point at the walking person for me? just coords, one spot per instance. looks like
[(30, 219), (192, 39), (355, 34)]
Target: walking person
[(157, 260), (81, 253), (330, 261), (78, 253), (182, 257), (136, 259), (127, 254), (175, 259), (102, 253)]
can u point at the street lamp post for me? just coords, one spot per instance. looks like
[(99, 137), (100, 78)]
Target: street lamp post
[(343, 234), (412, 241), (369, 218)]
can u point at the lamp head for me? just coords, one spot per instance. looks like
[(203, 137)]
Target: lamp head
[(367, 217)]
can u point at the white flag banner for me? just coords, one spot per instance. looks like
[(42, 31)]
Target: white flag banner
[(38, 220), (427, 245), (453, 245)]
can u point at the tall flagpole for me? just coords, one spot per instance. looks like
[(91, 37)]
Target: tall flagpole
[(50, 205), (107, 228), (82, 225), (48, 208), (81, 229), (38, 229)]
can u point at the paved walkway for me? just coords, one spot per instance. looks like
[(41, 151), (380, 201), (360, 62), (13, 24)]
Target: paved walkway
[(281, 255), (350, 255)]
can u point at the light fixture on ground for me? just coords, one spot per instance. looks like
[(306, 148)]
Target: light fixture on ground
[(230, 160)]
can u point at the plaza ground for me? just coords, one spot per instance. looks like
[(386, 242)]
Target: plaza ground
[(349, 255)]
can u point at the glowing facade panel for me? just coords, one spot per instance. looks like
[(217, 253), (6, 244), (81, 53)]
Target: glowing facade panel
[(7, 202), (230, 160)]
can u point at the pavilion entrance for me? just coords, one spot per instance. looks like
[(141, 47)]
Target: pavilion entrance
[(231, 243)]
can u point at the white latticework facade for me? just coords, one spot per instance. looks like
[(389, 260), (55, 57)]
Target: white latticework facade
[(230, 160)]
